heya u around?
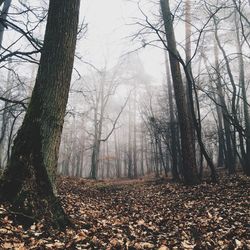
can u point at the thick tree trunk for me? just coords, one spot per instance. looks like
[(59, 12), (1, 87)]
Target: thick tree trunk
[(29, 179), (186, 126)]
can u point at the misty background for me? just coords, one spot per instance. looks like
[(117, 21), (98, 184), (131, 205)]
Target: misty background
[(119, 83)]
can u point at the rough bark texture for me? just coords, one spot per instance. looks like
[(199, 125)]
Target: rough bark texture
[(188, 149), (29, 179)]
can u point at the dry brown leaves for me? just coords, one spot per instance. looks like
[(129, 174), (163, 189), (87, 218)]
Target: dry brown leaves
[(142, 215)]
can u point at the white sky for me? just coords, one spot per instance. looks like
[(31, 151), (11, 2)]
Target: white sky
[(107, 36)]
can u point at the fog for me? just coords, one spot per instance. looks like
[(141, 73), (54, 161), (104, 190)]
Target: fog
[(111, 27), (118, 114)]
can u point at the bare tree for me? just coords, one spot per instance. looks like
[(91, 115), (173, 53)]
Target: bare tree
[(187, 141), (29, 179)]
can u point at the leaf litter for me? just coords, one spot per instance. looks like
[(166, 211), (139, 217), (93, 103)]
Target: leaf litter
[(141, 215)]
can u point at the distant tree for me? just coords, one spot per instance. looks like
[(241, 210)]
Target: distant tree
[(242, 83), (99, 102), (29, 179)]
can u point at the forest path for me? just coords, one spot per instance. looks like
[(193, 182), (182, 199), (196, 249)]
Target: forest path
[(143, 214), (150, 214)]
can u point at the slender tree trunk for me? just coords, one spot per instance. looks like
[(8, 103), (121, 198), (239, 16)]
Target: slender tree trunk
[(152, 157), (197, 124), (6, 120), (230, 160), (134, 139), (142, 153), (188, 51), (3, 16), (107, 160), (147, 157), (173, 142), (163, 163), (129, 142), (11, 135), (221, 141), (186, 126), (29, 179), (117, 156), (190, 88), (230, 75), (242, 84), (156, 157)]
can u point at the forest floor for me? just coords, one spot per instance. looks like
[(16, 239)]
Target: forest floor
[(143, 214)]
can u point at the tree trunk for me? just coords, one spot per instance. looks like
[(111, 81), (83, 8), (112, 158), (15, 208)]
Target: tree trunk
[(242, 84), (229, 159), (107, 160), (142, 153), (188, 34), (221, 153), (147, 157), (174, 150), (134, 139), (117, 156), (29, 179), (231, 165), (3, 16), (163, 162), (186, 126), (129, 141)]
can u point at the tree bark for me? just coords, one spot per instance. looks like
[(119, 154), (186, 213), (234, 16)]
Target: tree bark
[(29, 179), (129, 141), (242, 84), (186, 127), (135, 137), (230, 159), (142, 152), (3, 16), (117, 156), (234, 94), (174, 168)]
